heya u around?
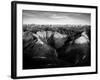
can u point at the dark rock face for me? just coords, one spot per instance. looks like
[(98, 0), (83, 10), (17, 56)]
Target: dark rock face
[(76, 52), (53, 49), (28, 39), (36, 52)]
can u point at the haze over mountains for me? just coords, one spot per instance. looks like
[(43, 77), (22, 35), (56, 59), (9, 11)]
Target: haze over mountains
[(60, 18)]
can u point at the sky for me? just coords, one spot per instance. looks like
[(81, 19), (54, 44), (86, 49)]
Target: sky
[(51, 17)]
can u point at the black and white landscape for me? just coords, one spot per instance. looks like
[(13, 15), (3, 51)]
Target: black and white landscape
[(56, 39)]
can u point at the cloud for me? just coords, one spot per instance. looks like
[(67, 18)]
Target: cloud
[(55, 16), (46, 17)]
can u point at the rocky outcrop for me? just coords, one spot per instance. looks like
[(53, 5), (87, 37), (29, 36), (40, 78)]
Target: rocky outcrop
[(59, 39), (77, 52), (53, 48)]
